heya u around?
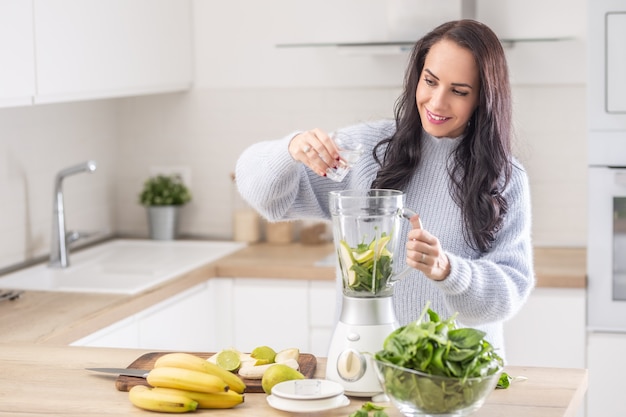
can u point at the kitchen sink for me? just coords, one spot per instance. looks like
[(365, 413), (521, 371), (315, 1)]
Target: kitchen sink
[(121, 266)]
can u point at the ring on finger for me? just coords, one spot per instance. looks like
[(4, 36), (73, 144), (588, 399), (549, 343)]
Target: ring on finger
[(423, 257), (306, 148)]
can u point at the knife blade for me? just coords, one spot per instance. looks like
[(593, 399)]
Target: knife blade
[(140, 373)]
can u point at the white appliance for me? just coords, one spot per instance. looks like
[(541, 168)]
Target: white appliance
[(606, 245), (606, 250), (366, 225), (363, 326)]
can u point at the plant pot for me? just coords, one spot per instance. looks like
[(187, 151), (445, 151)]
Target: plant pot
[(163, 222)]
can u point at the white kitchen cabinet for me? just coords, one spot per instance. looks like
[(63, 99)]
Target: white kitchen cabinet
[(222, 290), (616, 62), (231, 312), (284, 313), (271, 312), (558, 59), (108, 48), (549, 330), (66, 50), (122, 334), (17, 60), (323, 315), (280, 313), (607, 368), (181, 322)]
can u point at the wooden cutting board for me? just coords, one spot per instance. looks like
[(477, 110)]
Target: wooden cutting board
[(307, 363)]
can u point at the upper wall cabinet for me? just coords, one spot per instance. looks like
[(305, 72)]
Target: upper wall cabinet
[(67, 50), (17, 59), (110, 48)]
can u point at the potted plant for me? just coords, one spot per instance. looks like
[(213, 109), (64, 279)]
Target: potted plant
[(163, 195)]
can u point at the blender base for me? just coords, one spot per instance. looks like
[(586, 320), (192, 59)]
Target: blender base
[(350, 356)]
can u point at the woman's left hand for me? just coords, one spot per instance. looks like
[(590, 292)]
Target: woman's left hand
[(424, 252)]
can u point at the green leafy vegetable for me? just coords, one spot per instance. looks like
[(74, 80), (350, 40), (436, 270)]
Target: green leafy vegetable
[(436, 349), (369, 264), (366, 408), (504, 382)]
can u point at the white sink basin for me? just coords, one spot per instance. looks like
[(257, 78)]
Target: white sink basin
[(121, 266)]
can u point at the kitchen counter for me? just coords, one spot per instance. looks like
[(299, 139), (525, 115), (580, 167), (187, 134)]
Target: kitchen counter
[(291, 261), (554, 267), (62, 318), (561, 267), (43, 380), (44, 376)]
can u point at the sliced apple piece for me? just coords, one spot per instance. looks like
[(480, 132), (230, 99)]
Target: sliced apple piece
[(285, 354), (364, 256), (379, 245), (347, 260)]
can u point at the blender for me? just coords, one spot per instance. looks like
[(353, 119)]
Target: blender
[(366, 232)]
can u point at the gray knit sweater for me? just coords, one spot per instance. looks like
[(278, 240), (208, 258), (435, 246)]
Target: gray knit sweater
[(484, 288)]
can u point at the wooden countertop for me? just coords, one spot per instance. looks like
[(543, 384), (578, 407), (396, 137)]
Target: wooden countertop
[(61, 318), (554, 267), (561, 267), (291, 261), (41, 380)]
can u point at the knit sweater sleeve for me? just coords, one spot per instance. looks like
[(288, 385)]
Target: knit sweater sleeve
[(495, 286), (271, 181), (281, 188)]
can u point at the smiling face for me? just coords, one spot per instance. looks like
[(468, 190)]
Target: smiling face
[(448, 89)]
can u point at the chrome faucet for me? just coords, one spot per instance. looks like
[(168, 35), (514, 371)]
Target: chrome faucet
[(60, 239)]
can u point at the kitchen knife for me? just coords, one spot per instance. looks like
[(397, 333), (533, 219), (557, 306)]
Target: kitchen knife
[(140, 373)]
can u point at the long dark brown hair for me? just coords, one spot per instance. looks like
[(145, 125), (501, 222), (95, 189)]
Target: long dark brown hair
[(481, 165)]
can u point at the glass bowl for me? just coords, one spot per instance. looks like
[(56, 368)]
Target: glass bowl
[(415, 393)]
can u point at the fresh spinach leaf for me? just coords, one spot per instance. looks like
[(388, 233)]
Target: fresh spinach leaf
[(504, 381), (437, 347), (366, 408)]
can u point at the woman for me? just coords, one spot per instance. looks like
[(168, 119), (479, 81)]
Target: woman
[(449, 151)]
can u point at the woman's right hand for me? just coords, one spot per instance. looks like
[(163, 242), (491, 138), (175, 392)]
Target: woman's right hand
[(315, 149)]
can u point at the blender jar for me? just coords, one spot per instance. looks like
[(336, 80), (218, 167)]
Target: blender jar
[(366, 228)]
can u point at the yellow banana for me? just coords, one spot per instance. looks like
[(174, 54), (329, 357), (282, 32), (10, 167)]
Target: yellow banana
[(196, 363), (228, 399), (186, 379), (148, 399)]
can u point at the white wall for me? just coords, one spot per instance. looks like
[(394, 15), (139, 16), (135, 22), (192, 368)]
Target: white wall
[(247, 90), (37, 142)]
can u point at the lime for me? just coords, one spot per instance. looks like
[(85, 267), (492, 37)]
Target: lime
[(364, 256), (228, 360), (278, 373), (263, 355)]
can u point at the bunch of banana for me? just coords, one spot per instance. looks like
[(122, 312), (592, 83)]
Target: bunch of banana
[(181, 382), (196, 363), (186, 379), (148, 399)]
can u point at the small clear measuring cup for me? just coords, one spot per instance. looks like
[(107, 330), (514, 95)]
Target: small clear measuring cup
[(350, 150)]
